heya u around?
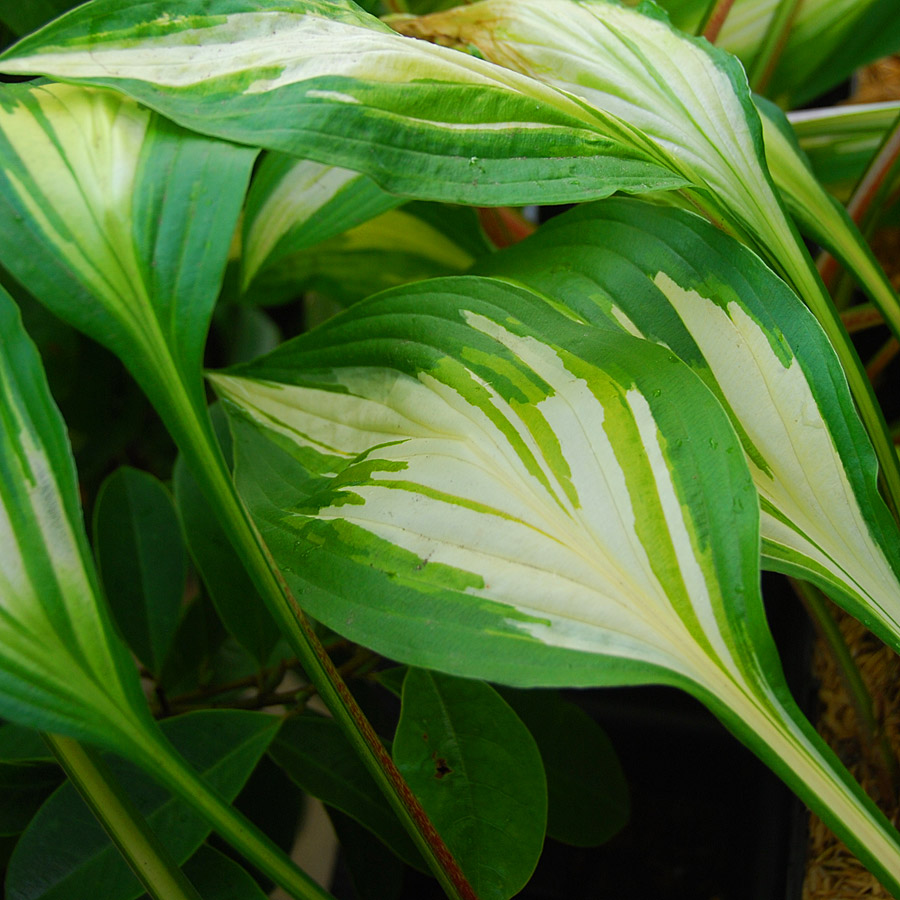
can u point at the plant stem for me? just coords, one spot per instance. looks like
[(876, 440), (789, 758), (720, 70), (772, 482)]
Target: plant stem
[(716, 14), (194, 436), (150, 861), (773, 44), (866, 191), (256, 847)]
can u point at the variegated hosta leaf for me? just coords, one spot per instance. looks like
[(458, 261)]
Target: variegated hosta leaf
[(62, 667), (691, 103), (119, 221), (683, 98), (321, 79), (419, 240), (827, 41), (294, 204), (839, 141), (463, 476), (672, 278), (820, 216)]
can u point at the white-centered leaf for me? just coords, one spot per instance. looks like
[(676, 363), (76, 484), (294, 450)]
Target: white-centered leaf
[(465, 477), (296, 203), (311, 78), (419, 240), (120, 222), (690, 102), (686, 101), (669, 276), (62, 667)]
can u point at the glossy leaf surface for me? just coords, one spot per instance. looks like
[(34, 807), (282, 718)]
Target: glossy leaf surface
[(62, 667), (142, 561), (419, 240), (65, 854), (479, 775), (672, 278), (467, 477), (307, 78), (684, 101), (120, 222)]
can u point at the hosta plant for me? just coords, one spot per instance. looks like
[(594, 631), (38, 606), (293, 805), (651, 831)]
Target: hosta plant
[(436, 457)]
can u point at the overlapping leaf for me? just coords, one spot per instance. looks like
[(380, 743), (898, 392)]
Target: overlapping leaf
[(296, 203), (820, 216), (120, 222), (672, 278), (684, 100), (827, 41), (690, 103), (468, 478), (839, 141), (420, 240), (225, 745), (62, 667), (479, 775), (310, 77)]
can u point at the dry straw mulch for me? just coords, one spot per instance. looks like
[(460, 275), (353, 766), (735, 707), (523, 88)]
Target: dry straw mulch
[(833, 873)]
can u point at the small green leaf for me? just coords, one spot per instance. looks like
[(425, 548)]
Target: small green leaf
[(23, 744), (316, 755), (142, 561), (294, 204), (419, 240), (586, 789), (65, 854), (217, 877), (23, 789), (199, 636), (478, 773)]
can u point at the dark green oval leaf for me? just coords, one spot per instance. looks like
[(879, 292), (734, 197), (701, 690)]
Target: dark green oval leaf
[(478, 773), (142, 561), (586, 790)]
